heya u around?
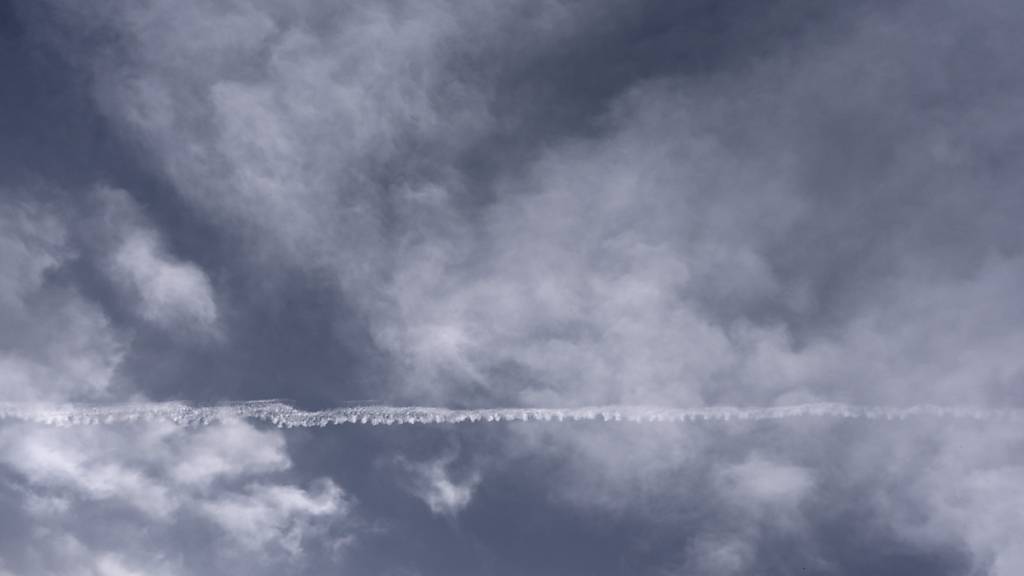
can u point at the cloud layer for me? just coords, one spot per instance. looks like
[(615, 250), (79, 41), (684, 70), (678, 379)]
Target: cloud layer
[(453, 211)]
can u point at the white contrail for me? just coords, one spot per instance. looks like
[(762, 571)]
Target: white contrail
[(283, 415)]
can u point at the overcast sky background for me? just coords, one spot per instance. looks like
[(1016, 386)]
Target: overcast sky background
[(502, 203)]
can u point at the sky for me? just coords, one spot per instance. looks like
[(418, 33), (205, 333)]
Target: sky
[(502, 204)]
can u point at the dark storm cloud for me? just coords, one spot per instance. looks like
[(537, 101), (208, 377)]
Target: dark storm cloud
[(480, 204)]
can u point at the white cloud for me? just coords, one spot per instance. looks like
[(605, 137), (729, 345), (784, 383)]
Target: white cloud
[(56, 460), (432, 482), (284, 516), (167, 474), (764, 482), (171, 293), (227, 450)]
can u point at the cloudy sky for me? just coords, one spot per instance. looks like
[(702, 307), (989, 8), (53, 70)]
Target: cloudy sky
[(495, 203)]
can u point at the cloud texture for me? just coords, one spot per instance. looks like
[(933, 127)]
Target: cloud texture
[(507, 210)]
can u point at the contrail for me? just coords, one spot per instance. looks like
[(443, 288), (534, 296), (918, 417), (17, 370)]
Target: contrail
[(285, 416)]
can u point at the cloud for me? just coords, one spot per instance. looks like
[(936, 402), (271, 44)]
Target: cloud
[(763, 482), (227, 450), (147, 480), (720, 556), (744, 240), (171, 293), (59, 461), (830, 216), (55, 342), (280, 515), (970, 492), (34, 243), (156, 470), (65, 553), (433, 482), (160, 477), (287, 148)]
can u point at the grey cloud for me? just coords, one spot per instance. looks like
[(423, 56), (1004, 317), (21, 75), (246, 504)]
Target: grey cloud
[(56, 343), (688, 212), (559, 204)]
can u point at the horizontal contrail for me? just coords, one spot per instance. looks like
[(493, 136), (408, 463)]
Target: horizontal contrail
[(283, 415)]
